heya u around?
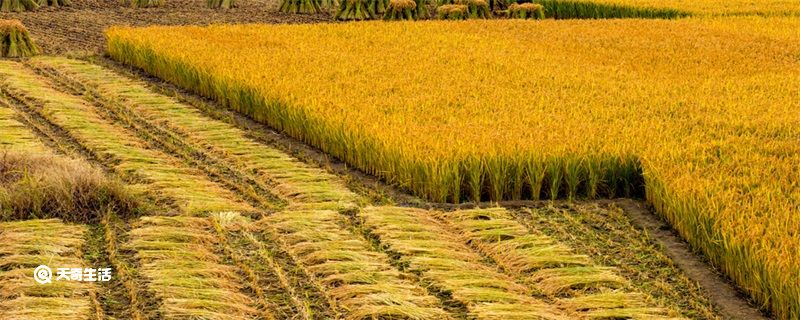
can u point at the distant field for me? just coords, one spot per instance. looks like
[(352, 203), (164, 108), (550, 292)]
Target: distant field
[(702, 113), (699, 7)]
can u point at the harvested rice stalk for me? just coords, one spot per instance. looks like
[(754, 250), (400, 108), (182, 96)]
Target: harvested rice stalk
[(355, 10), (453, 12), (15, 41), (401, 10), (526, 11), (221, 4), (301, 6), (55, 3), (144, 3)]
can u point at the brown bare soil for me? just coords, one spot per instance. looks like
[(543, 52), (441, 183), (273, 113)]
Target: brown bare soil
[(78, 29)]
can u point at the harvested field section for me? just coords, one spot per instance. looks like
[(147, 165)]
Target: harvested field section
[(15, 136), (575, 283), (426, 248), (607, 236), (28, 244), (358, 282), (281, 286), (190, 190), (178, 258), (293, 181)]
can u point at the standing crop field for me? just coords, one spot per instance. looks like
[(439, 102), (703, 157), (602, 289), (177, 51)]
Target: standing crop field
[(699, 114), (667, 8)]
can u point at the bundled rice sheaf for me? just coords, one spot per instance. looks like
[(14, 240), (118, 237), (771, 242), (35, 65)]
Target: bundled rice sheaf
[(301, 6), (401, 10), (221, 4), (453, 12), (55, 3), (355, 10), (526, 11), (18, 5), (15, 41), (36, 186)]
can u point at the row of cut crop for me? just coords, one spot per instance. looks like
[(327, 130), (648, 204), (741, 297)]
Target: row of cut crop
[(426, 248), (178, 260), (552, 268), (29, 244), (354, 278), (149, 169), (295, 182)]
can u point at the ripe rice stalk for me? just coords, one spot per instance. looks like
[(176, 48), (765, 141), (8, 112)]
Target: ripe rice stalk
[(355, 10), (401, 10), (15, 41), (221, 4), (301, 6), (55, 3), (526, 11)]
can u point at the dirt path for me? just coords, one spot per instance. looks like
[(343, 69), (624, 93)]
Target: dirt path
[(78, 30), (731, 303)]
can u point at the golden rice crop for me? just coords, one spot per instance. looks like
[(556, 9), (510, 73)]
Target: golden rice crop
[(702, 112), (569, 9)]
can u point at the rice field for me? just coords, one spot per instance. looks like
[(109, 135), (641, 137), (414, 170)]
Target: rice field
[(291, 241), (698, 116)]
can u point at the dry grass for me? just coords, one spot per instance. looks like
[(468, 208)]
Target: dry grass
[(356, 280), (152, 171), (35, 186), (28, 244), (177, 258), (15, 41), (702, 111), (439, 257)]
